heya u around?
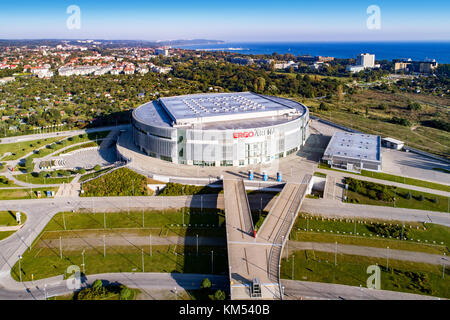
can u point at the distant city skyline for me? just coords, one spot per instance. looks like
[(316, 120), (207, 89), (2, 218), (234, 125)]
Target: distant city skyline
[(236, 21)]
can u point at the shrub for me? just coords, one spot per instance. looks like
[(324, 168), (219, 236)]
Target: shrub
[(414, 106), (421, 197), (206, 284), (97, 167), (408, 195), (125, 293), (97, 284), (401, 121), (82, 171), (120, 182), (219, 295)]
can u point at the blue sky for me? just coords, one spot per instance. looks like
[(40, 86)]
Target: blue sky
[(231, 20)]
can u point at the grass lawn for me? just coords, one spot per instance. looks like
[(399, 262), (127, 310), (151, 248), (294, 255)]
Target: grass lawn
[(11, 194), (81, 146), (169, 218), (367, 229), (364, 192), (93, 174), (393, 178), (8, 219), (31, 178), (45, 262), (351, 270), (401, 202), (320, 174), (405, 180), (5, 234), (19, 149), (5, 182)]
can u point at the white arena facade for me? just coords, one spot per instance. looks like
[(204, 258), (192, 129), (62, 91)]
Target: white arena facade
[(220, 129)]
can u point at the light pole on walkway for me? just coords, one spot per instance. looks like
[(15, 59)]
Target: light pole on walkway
[(82, 253), (387, 259), (197, 243), (142, 250), (20, 268)]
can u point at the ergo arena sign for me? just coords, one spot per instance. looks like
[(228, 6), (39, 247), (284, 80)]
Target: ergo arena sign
[(253, 133)]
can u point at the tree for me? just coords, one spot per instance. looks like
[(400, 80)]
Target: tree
[(206, 284), (97, 284), (97, 167), (125, 293), (219, 295)]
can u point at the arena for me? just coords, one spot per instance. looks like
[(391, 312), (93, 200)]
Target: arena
[(220, 129)]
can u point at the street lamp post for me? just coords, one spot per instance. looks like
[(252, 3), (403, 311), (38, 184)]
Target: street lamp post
[(82, 253), (212, 261), (142, 250), (387, 259), (335, 253), (20, 268), (197, 243)]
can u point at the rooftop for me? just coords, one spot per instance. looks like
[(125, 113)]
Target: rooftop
[(204, 108), (219, 111), (355, 146)]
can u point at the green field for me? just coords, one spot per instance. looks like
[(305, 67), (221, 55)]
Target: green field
[(8, 219), (393, 178), (120, 182), (81, 146), (431, 238), (364, 192), (169, 218), (178, 189), (173, 258), (20, 149), (5, 182), (44, 262), (32, 178), (11, 194), (418, 278)]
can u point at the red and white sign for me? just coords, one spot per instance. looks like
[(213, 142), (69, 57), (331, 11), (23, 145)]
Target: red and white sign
[(243, 134)]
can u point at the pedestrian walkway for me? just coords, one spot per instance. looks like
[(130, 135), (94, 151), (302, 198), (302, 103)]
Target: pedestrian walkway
[(254, 258)]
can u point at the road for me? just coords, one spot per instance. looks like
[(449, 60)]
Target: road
[(146, 282)]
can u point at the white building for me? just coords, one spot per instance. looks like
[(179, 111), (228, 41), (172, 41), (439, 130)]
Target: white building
[(366, 60), (363, 61), (392, 143)]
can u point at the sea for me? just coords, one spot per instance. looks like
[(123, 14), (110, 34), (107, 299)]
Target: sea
[(418, 51)]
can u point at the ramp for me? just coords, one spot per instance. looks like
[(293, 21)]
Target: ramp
[(257, 258)]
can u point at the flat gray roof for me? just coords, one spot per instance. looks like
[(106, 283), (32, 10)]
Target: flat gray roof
[(219, 110), (355, 146), (210, 107)]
